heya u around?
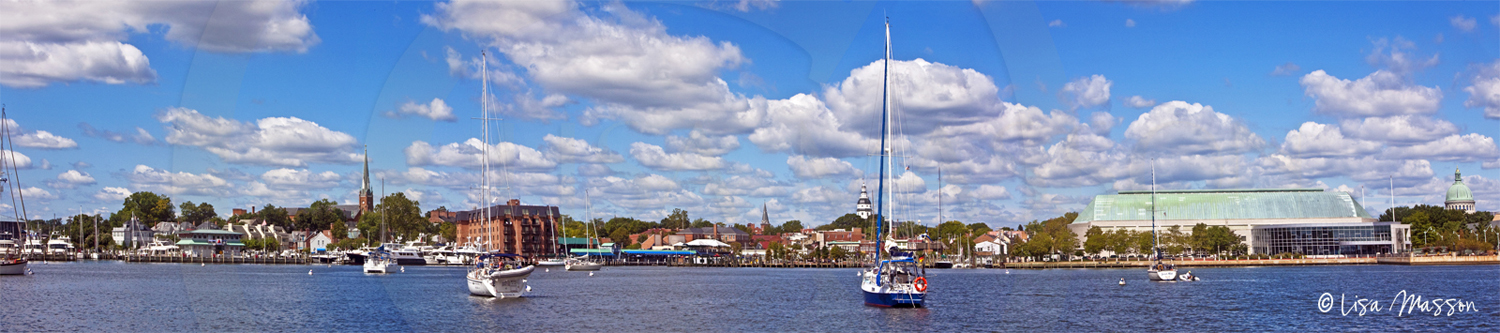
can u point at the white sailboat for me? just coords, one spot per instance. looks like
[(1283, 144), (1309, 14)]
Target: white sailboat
[(379, 261), (1158, 271), (558, 258), (494, 274), (14, 259), (896, 279), (586, 262)]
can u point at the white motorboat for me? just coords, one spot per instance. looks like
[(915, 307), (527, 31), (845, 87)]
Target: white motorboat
[(379, 262), (499, 275), (34, 246), (407, 256), (59, 245), (552, 262)]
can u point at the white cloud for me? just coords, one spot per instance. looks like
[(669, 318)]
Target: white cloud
[(1057, 23), (746, 185), (37, 193), (1484, 90), (594, 170), (813, 168), (526, 106), (1087, 92), (1465, 24), (571, 150), (470, 154), (698, 143), (928, 95), (1382, 93), (44, 140), (654, 157), (1319, 140), (803, 125), (112, 194), (141, 136), (1465, 148), (275, 141), (1129, 23), (822, 195), (1287, 69), (1398, 130), (990, 192), (1139, 102), (71, 179), (1177, 126), (746, 5), (44, 42), (21, 161), (624, 61), (435, 110), (145, 178), (300, 179), (1398, 61)]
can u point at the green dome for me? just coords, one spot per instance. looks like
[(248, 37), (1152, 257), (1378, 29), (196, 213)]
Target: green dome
[(1459, 191)]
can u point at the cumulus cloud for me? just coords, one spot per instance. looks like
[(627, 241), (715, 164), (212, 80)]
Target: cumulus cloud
[(1484, 90), (274, 141), (813, 168), (1382, 93), (698, 143), (1139, 102), (112, 194), (654, 157), (1320, 140), (822, 195), (990, 192), (141, 136), (929, 95), (44, 140), (37, 193), (1087, 92), (1184, 128), (744, 185), (303, 179), (1462, 23), (1398, 130), (1129, 23), (1287, 69), (1393, 55), (146, 178), (625, 61), (471, 154), (66, 41), (71, 179), (1464, 148), (804, 125), (435, 110), (571, 150)]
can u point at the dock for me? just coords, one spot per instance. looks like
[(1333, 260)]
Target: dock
[(198, 260)]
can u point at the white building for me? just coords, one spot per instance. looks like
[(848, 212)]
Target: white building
[(210, 243), (319, 242), (1459, 197), (863, 207)]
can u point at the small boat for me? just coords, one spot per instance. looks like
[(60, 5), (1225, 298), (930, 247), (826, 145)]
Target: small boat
[(60, 245), (553, 262), (582, 264), (13, 263), (1159, 271), (499, 275), (379, 262), (942, 264), (1187, 276), (586, 263)]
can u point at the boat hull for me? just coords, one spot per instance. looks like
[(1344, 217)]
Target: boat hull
[(583, 267), (503, 284), (1162, 275), (15, 268), (894, 300), (411, 261), (550, 263), (942, 264), (377, 266)]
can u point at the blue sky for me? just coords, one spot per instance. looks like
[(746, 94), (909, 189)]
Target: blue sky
[(1029, 108)]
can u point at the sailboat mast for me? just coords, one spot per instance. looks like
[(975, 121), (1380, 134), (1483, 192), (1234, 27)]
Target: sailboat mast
[(484, 119), (1155, 238), (885, 102)]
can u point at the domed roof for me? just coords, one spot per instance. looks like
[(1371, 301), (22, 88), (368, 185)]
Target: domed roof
[(1459, 191)]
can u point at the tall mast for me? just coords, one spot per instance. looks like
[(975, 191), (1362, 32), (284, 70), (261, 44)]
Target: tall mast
[(1155, 238), (884, 132), (484, 171)]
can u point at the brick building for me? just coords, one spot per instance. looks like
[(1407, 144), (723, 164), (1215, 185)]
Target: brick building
[(513, 228)]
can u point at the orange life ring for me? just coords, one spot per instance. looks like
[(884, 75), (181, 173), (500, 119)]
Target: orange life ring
[(921, 284)]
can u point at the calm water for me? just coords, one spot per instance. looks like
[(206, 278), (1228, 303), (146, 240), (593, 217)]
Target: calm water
[(113, 296)]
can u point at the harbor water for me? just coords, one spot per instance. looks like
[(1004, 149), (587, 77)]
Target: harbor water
[(135, 297)]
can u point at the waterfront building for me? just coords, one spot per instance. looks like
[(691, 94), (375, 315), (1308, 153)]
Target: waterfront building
[(513, 228), (716, 232), (319, 241), (1266, 220), (133, 234), (1459, 197), (863, 207), (207, 242)]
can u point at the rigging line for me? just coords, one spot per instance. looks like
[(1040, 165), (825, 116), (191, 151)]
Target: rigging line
[(15, 208), (15, 173)]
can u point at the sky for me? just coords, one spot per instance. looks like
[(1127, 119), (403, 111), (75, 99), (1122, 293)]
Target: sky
[(722, 108)]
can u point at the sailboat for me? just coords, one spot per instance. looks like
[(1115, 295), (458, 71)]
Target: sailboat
[(896, 279), (586, 262), (1158, 271), (556, 260), (379, 261), (14, 261), (493, 274)]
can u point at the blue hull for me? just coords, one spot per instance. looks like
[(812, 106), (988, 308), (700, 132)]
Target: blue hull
[(893, 300)]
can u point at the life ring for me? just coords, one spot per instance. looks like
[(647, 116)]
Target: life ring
[(921, 284)]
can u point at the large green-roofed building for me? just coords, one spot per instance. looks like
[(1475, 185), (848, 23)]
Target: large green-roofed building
[(1244, 211)]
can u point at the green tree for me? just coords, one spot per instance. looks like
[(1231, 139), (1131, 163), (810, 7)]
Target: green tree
[(196, 214), (1095, 240), (403, 217), (1144, 243), (322, 215), (792, 226), (701, 223), (277, 216), (979, 228), (846, 222), (677, 220), (148, 207), (449, 231)]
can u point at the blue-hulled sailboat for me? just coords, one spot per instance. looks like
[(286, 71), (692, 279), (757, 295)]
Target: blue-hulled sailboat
[(897, 278)]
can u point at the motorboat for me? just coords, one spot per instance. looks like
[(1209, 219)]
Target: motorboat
[(59, 245), (464, 255), (552, 262), (407, 256), (1187, 276), (379, 262), (942, 264), (499, 275), (355, 257), (34, 246)]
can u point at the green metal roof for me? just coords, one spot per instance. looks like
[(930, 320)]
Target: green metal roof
[(1222, 205), (210, 232), (197, 242), (1459, 191), (574, 241)]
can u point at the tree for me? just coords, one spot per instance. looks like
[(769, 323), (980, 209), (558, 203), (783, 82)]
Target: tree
[(277, 216), (1095, 240), (448, 230), (147, 207), (792, 226), (979, 228), (403, 217), (846, 222), (196, 214), (677, 220), (621, 237), (701, 223), (1145, 243), (322, 215)]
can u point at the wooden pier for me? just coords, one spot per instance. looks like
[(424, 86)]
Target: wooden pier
[(198, 260)]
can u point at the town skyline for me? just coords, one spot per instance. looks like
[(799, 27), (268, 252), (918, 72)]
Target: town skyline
[(722, 108)]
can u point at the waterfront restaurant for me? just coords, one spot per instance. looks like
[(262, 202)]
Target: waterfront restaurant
[(1269, 221), (210, 243)]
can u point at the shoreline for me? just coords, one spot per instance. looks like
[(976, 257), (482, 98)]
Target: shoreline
[(1419, 261)]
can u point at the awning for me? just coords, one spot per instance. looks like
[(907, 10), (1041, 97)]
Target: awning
[(658, 252), (707, 242)]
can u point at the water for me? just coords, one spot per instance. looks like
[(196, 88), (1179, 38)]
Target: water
[(114, 296)]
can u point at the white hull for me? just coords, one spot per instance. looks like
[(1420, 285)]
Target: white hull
[(13, 269), (584, 266), (1162, 275), (551, 262), (378, 266), (499, 283)]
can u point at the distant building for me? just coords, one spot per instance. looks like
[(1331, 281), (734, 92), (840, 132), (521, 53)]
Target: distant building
[(133, 234), (765, 220), (1269, 221), (207, 242), (319, 241), (863, 207), (512, 228), (716, 232), (366, 195), (1459, 197)]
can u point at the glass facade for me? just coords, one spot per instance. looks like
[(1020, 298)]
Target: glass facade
[(1331, 239)]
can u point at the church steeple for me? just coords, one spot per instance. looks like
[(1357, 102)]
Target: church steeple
[(366, 196)]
